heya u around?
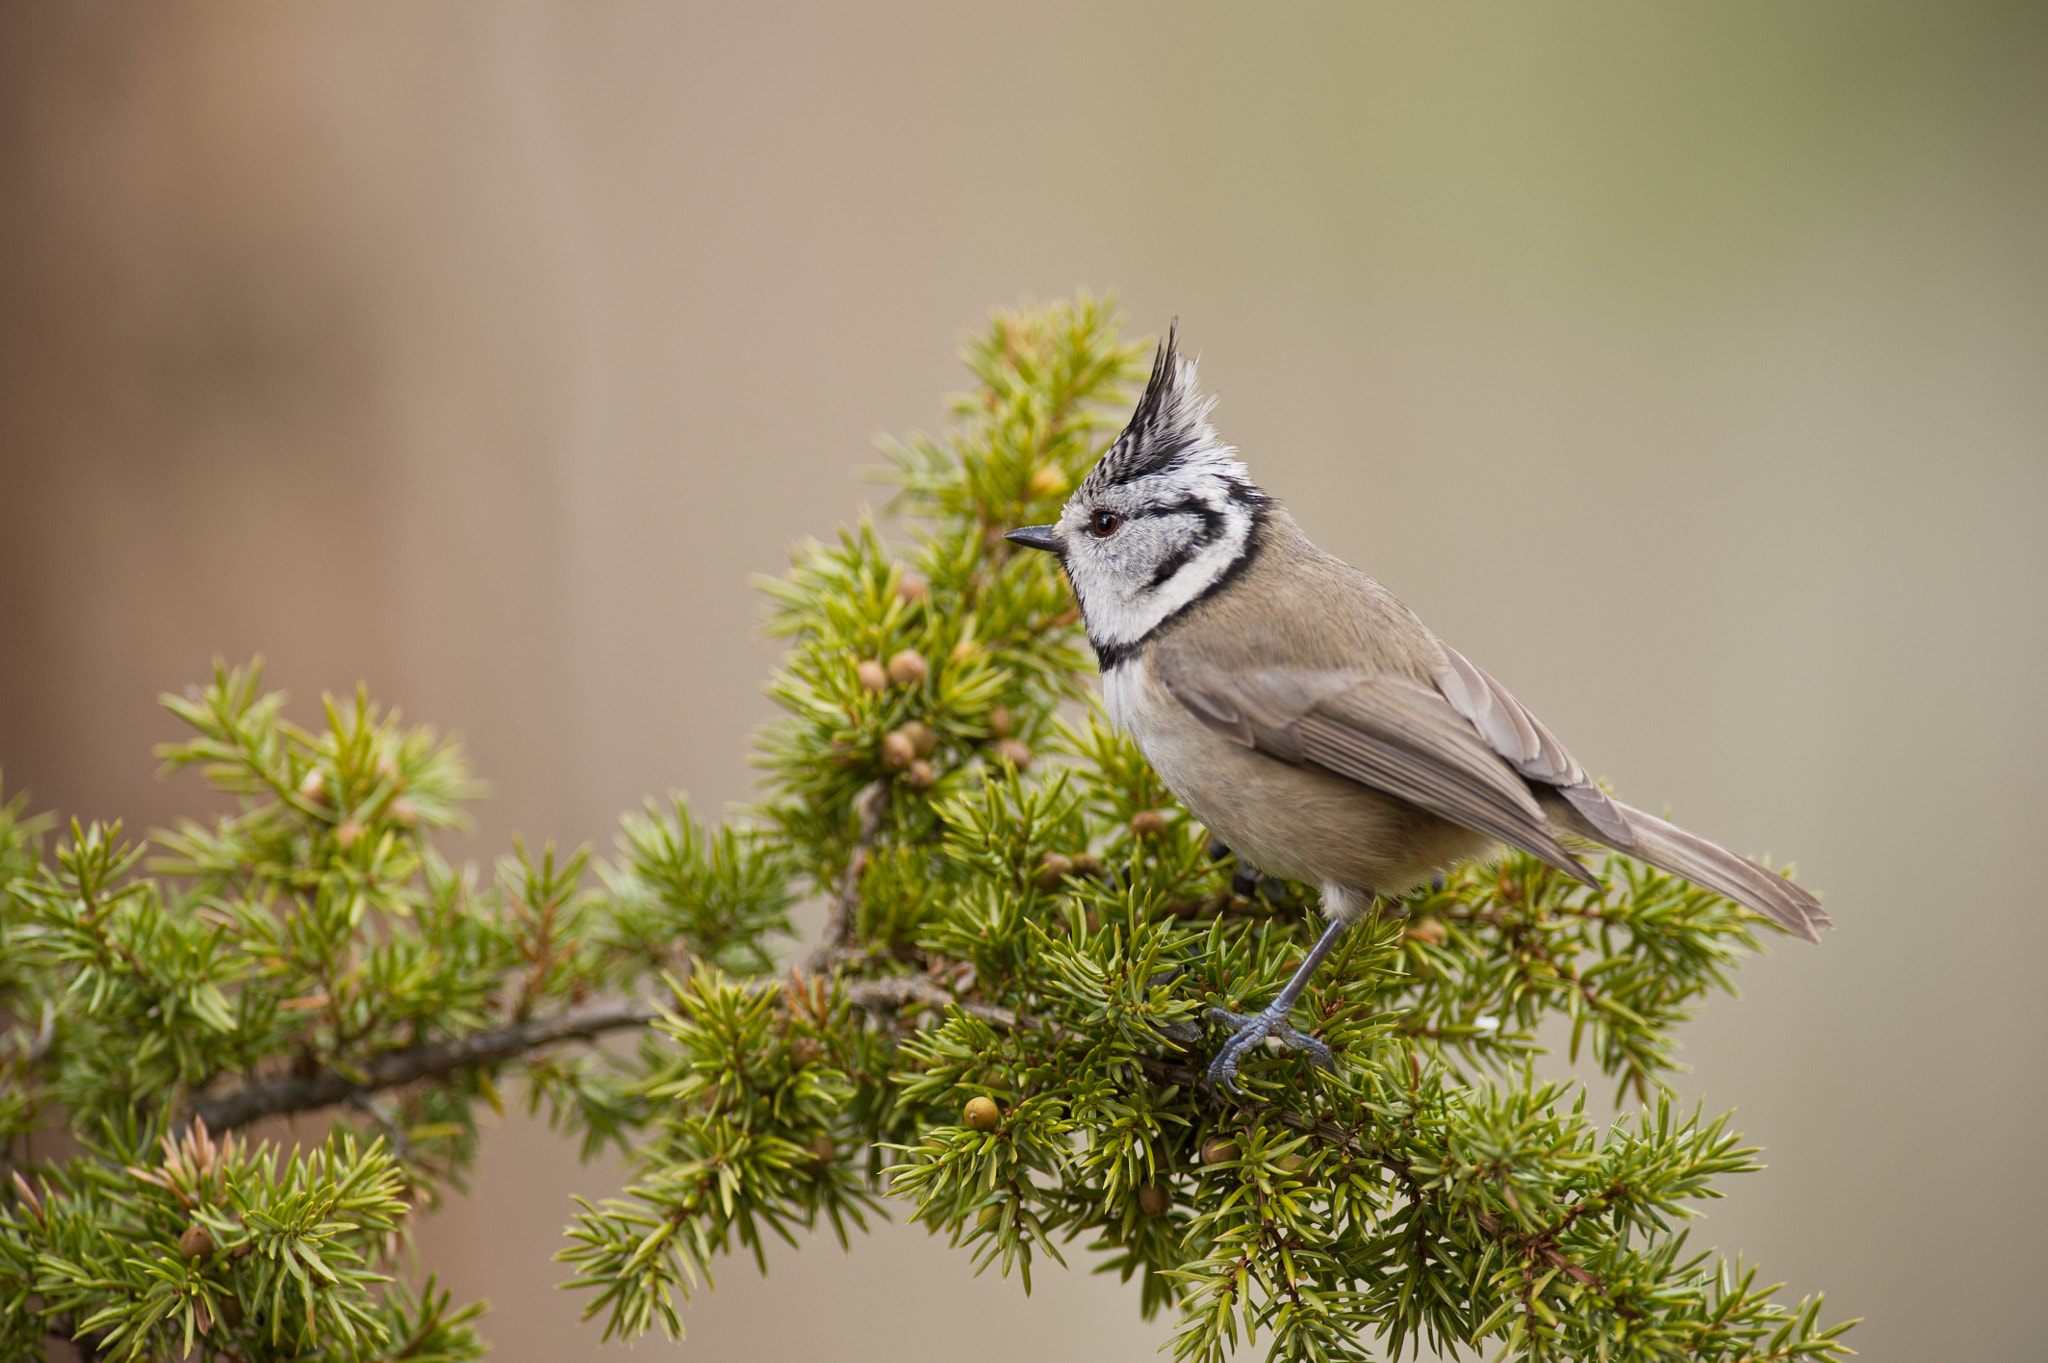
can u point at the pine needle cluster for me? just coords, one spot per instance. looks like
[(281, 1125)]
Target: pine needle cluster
[(999, 1034)]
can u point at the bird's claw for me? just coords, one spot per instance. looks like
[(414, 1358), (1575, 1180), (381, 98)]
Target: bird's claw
[(1250, 1030)]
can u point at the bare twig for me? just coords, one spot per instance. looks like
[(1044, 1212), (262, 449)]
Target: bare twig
[(844, 914), (394, 1069), (391, 1069)]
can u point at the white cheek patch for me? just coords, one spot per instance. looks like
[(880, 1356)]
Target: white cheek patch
[(1118, 596)]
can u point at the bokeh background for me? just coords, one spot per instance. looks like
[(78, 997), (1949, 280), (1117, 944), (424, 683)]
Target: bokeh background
[(1686, 366)]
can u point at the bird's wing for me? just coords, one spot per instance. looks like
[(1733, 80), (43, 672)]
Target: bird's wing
[(1520, 738), (1381, 730), (1530, 748)]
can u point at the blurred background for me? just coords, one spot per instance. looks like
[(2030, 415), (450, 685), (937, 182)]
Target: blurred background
[(1686, 366)]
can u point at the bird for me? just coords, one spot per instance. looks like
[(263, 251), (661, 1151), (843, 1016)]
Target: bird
[(1308, 718)]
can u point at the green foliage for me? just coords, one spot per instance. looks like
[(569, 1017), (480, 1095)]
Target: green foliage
[(1001, 1030), (310, 936)]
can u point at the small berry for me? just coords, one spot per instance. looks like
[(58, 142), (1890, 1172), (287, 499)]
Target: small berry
[(1148, 823), (1052, 871), (911, 587), (823, 1152), (1011, 751), (920, 775), (922, 737), (897, 750), (1429, 930), (1154, 1200), (196, 1242), (843, 755), (346, 834), (909, 668), (803, 1051), (999, 721), (404, 811), (313, 790), (1087, 864), (872, 674), (982, 1114), (1220, 1150)]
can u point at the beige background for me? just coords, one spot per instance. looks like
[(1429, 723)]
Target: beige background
[(1687, 366)]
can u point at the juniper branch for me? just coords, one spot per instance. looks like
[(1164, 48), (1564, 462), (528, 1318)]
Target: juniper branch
[(1001, 1023), (290, 1094)]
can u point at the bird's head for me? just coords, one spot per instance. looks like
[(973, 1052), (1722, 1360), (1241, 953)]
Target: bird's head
[(1160, 520)]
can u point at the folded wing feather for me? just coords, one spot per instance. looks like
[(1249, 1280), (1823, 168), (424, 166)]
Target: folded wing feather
[(1466, 751)]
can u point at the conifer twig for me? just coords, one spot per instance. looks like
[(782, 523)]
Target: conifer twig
[(844, 914), (293, 1093), (391, 1069)]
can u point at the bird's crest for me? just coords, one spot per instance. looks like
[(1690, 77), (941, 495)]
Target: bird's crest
[(1170, 430)]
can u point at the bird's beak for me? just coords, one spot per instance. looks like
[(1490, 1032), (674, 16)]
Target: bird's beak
[(1046, 537)]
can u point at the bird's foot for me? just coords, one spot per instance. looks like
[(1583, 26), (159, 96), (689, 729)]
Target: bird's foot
[(1252, 1028)]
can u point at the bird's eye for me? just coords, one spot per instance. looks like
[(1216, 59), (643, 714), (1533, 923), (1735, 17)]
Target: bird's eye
[(1105, 524)]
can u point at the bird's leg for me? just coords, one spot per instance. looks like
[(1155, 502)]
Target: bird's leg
[(1271, 1021)]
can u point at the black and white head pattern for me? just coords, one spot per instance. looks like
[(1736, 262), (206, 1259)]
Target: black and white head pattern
[(1162, 519)]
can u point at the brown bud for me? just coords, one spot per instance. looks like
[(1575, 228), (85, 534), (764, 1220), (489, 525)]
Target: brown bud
[(843, 755), (999, 721), (804, 1050), (404, 811), (823, 1152), (1220, 1150), (1430, 930), (1052, 871), (346, 834), (982, 1114), (313, 790), (1011, 751), (908, 668), (1087, 864), (911, 587), (920, 776), (27, 1195), (1148, 823), (1154, 1199), (897, 750), (196, 1242), (872, 674), (922, 737), (1047, 481)]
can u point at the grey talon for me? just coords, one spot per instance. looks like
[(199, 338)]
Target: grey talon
[(1249, 1029)]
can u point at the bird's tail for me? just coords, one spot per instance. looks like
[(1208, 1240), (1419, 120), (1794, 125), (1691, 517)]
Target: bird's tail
[(1668, 847)]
